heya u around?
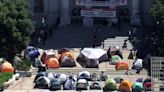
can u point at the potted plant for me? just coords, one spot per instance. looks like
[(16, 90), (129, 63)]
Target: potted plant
[(24, 68)]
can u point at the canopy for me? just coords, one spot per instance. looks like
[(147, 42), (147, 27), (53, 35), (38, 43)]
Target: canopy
[(110, 85), (137, 87), (125, 85), (52, 63), (122, 66), (7, 67), (118, 79), (115, 59), (42, 81)]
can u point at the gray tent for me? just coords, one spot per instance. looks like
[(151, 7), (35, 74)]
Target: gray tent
[(42, 82), (91, 57)]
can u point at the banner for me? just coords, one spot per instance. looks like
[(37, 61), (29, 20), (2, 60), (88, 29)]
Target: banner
[(101, 3), (98, 13)]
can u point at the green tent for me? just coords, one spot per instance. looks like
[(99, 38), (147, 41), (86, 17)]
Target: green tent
[(115, 59), (137, 87), (110, 85)]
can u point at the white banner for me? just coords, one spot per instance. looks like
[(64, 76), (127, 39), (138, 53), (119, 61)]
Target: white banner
[(101, 3), (98, 13)]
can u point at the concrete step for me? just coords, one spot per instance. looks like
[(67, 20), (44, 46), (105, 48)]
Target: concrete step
[(108, 71)]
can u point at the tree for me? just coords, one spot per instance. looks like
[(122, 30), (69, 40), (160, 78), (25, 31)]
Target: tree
[(157, 11), (16, 26)]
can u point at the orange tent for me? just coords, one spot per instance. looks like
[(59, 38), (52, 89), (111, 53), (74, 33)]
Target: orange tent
[(7, 67), (125, 85), (46, 55), (52, 63), (68, 54), (122, 66)]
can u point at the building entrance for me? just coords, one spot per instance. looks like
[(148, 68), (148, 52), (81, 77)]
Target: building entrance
[(100, 21)]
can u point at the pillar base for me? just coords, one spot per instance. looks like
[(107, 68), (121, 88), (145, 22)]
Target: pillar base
[(88, 22)]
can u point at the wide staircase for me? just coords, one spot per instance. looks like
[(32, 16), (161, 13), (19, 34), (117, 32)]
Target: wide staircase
[(117, 41)]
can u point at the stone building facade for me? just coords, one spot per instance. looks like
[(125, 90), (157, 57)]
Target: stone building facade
[(91, 12)]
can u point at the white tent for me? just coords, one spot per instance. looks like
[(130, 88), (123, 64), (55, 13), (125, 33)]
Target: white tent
[(92, 56), (93, 53)]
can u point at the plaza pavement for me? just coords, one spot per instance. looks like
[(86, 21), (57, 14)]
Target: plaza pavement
[(76, 36)]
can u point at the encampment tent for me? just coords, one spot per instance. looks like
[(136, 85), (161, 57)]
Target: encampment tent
[(42, 82), (110, 85), (67, 62), (137, 87), (48, 54), (7, 67), (52, 63), (84, 75), (122, 66), (125, 85), (31, 52), (115, 59), (92, 56), (118, 79)]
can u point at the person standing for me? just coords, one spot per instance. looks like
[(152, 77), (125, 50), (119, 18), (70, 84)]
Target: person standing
[(129, 34)]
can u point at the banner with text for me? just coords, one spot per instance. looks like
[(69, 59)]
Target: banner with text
[(101, 3), (98, 13)]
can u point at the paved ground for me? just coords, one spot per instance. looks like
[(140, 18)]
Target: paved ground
[(77, 37)]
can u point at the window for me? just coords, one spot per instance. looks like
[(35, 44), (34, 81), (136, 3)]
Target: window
[(38, 6)]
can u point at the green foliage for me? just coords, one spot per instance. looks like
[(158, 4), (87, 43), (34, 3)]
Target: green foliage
[(4, 77), (23, 66), (157, 11), (16, 26)]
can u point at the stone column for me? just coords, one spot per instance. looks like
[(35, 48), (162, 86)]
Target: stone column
[(135, 12), (88, 21), (65, 18)]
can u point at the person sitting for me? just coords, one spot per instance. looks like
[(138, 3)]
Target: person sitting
[(137, 65)]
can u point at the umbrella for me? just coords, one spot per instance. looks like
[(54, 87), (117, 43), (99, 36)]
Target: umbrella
[(110, 85), (137, 87), (115, 59), (118, 79)]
